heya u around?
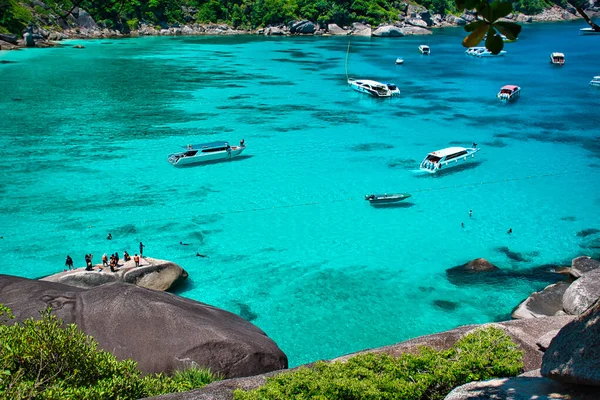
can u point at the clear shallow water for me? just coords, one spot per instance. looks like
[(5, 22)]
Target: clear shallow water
[(292, 245)]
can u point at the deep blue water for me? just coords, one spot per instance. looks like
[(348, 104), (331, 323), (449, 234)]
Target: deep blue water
[(292, 244)]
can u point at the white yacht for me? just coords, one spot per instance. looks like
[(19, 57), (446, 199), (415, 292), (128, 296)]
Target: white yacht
[(483, 52), (447, 158), (588, 31), (205, 152), (374, 88), (509, 93), (557, 58), (595, 81), (424, 49), (399, 61)]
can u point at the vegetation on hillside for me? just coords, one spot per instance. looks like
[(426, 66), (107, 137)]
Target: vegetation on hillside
[(44, 359), (430, 374), (248, 14)]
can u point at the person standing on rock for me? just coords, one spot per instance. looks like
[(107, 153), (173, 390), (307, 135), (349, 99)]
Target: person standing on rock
[(136, 259), (69, 262), (142, 249), (126, 256), (88, 262), (104, 260)]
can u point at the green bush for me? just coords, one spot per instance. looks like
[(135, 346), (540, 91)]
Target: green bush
[(430, 374), (133, 24), (46, 359)]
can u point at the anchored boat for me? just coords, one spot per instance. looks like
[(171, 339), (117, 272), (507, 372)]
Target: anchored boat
[(386, 198), (374, 88), (447, 158), (205, 152), (424, 49), (557, 58), (509, 93)]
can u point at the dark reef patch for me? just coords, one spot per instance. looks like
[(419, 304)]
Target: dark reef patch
[(371, 147), (587, 232), (246, 312), (515, 256), (495, 143), (7, 62), (406, 163), (569, 218), (446, 305)]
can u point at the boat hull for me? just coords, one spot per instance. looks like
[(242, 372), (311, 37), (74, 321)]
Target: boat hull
[(370, 92), (386, 199), (588, 31), (206, 158), (433, 167)]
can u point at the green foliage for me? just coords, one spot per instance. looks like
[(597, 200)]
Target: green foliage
[(13, 16), (430, 374), (46, 359), (133, 24)]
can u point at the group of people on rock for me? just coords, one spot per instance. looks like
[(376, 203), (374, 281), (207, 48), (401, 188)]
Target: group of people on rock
[(112, 263)]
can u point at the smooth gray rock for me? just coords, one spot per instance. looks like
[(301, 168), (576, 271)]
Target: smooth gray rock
[(582, 293), (416, 22), (334, 29), (303, 27), (545, 303), (161, 331), (7, 37), (387, 31), (426, 16), (152, 274), (359, 29), (574, 354), (520, 388), (28, 37), (415, 30), (544, 341), (581, 265), (523, 18), (454, 20), (85, 20)]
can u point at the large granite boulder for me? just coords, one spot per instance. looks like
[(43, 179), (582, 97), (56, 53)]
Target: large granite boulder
[(303, 27), (545, 303), (336, 30), (523, 18), (582, 293), (415, 30), (161, 331), (152, 274), (426, 16), (28, 38), (465, 272), (454, 20), (574, 354), (581, 265), (359, 29), (524, 332), (387, 31)]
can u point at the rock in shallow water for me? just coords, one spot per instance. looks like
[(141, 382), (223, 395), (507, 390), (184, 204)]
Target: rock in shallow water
[(582, 293), (545, 303), (161, 331)]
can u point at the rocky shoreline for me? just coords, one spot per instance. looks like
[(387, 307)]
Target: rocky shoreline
[(416, 21)]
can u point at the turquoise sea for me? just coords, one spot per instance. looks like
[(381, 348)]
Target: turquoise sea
[(292, 245)]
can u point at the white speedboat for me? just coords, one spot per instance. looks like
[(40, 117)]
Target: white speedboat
[(424, 49), (399, 61), (483, 52), (374, 88), (509, 93), (386, 198), (588, 31), (447, 158), (595, 81), (206, 152), (557, 58)]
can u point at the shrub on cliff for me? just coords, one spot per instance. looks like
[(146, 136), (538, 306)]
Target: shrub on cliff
[(44, 359), (430, 374)]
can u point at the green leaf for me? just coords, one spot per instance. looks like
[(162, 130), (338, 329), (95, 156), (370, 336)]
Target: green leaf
[(476, 36), (494, 42), (473, 25), (508, 29), (500, 9)]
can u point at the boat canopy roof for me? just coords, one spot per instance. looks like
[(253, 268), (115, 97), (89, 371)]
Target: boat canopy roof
[(512, 88), (424, 46), (208, 145), (447, 151), (369, 82), (558, 55)]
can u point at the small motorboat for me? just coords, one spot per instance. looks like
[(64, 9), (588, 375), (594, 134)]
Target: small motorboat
[(595, 81), (206, 152), (509, 93), (386, 198), (588, 31), (557, 58), (424, 49), (483, 52), (399, 61), (374, 88)]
